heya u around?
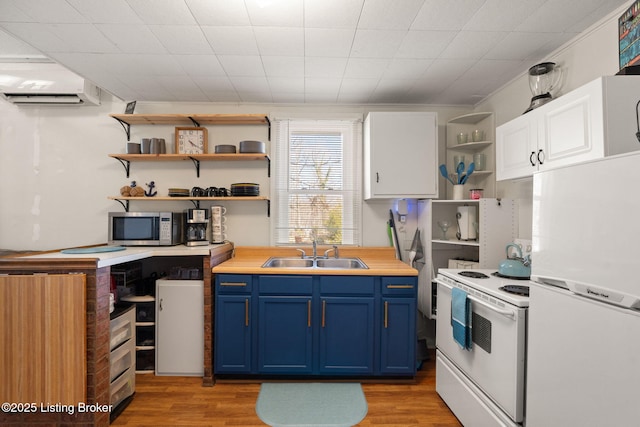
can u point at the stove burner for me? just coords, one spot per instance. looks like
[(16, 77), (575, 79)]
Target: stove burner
[(473, 274), (516, 289), (504, 276)]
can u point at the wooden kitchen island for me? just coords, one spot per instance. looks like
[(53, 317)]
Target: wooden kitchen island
[(66, 380)]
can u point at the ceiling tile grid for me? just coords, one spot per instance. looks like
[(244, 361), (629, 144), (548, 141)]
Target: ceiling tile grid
[(296, 51)]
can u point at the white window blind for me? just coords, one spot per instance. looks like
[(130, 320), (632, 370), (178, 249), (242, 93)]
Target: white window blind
[(317, 190)]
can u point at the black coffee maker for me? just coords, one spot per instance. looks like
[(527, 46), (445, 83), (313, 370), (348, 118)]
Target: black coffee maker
[(196, 227)]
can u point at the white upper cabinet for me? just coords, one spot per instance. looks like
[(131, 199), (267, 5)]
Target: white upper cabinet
[(400, 155), (591, 122)]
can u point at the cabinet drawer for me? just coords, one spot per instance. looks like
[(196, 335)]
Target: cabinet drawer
[(347, 285), (122, 359), (233, 283), (289, 285), (399, 286), (123, 387), (121, 329)]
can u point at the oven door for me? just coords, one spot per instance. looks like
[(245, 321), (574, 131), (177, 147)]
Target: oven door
[(495, 362)]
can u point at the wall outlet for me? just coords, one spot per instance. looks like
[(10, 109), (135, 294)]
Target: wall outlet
[(525, 246)]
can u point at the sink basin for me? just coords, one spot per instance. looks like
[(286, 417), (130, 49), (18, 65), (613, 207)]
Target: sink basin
[(341, 263), (336, 263), (277, 262)]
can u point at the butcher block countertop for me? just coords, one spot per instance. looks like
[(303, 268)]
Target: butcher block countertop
[(380, 260)]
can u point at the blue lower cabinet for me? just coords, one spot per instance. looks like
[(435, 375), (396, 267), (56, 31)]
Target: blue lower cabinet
[(233, 334), (347, 335), (285, 335), (398, 329)]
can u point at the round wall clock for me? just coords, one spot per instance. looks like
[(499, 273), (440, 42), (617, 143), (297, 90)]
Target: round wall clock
[(191, 140)]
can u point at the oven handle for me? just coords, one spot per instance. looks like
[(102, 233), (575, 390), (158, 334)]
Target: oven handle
[(507, 313)]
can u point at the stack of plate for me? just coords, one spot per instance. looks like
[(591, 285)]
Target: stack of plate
[(245, 189), (179, 192)]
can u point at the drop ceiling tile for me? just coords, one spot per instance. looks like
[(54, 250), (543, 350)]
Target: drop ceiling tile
[(38, 36), (106, 12), (50, 11), (255, 96), (365, 68), (288, 97), (182, 39), (213, 83), (424, 44), (389, 14), (248, 84), (472, 44), (184, 89), (10, 12), (82, 38), (231, 40), (223, 96), (376, 43), (446, 71), (162, 12), (504, 15), (286, 85), (241, 65), (445, 15), (332, 13), (285, 13), (278, 41), (219, 12), (13, 47), (404, 68), (495, 69), (131, 38), (359, 86), (200, 65), (518, 45), (325, 67), (147, 65), (319, 85), (328, 42), (283, 66)]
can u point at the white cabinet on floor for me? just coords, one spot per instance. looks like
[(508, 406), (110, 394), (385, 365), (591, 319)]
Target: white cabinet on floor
[(180, 327), (400, 155), (591, 122)]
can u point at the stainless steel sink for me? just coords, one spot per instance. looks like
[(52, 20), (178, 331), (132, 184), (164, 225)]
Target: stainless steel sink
[(335, 263), (341, 263), (277, 262)]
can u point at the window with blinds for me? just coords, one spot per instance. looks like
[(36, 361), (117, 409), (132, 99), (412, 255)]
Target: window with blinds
[(317, 189)]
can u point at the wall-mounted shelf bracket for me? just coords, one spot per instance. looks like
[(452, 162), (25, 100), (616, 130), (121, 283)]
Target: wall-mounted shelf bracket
[(125, 204), (195, 123), (268, 167), (269, 127), (269, 208), (127, 128), (196, 163), (126, 164)]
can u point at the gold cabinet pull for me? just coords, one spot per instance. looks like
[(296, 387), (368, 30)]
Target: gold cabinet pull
[(386, 314), (233, 284), (324, 306), (309, 314), (246, 312), (399, 286)]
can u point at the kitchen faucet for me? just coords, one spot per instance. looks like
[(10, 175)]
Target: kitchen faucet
[(335, 252)]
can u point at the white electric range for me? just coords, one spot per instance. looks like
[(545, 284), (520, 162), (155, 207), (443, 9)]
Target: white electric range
[(483, 384)]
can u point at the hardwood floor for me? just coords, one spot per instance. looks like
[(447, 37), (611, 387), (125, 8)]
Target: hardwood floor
[(182, 401)]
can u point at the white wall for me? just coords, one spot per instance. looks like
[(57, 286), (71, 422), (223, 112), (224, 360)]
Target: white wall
[(592, 54), (56, 175)]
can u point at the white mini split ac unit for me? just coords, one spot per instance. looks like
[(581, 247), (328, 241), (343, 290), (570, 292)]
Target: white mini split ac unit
[(45, 84)]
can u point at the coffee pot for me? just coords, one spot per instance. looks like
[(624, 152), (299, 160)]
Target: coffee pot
[(196, 227)]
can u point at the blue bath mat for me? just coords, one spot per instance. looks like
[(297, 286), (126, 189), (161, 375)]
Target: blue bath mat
[(311, 404)]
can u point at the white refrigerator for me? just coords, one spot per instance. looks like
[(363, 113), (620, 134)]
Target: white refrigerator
[(583, 351)]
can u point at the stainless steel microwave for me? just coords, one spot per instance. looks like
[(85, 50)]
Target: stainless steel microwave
[(146, 228)]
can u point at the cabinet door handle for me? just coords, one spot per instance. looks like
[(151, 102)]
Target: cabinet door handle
[(531, 157), (246, 312), (377, 177), (324, 307), (540, 160), (386, 314), (233, 284), (309, 314), (160, 304), (399, 286)]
